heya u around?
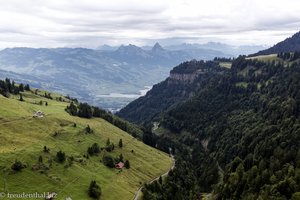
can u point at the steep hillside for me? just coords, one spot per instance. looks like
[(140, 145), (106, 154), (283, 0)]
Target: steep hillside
[(183, 82), (288, 45), (35, 141), (237, 137)]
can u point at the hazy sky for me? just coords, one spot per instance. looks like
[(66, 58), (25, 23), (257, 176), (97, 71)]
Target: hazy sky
[(91, 23)]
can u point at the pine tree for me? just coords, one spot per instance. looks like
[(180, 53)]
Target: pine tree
[(21, 87), (46, 150), (61, 156), (88, 129), (121, 158), (120, 143), (21, 97), (127, 164), (85, 110), (40, 159), (160, 180), (17, 166), (72, 109), (108, 161), (107, 142), (94, 149), (94, 190), (27, 87)]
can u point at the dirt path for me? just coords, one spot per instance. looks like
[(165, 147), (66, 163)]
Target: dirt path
[(138, 193)]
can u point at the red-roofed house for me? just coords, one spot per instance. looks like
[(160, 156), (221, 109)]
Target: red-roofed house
[(120, 165)]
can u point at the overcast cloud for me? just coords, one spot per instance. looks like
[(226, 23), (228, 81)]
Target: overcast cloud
[(91, 23)]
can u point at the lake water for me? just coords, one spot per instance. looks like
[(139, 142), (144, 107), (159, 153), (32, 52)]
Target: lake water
[(130, 96)]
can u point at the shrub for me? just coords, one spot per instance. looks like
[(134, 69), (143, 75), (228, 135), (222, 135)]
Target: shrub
[(94, 149), (94, 190), (110, 148), (120, 143), (109, 161), (46, 150), (88, 129), (61, 156), (127, 164), (17, 166)]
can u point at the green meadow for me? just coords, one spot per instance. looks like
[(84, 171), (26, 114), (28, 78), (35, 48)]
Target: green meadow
[(23, 137)]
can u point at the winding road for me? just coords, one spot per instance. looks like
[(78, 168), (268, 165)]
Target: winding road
[(138, 193)]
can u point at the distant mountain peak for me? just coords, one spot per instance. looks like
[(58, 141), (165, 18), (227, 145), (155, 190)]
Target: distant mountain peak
[(129, 48), (157, 47)]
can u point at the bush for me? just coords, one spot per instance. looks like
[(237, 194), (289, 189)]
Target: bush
[(40, 159), (109, 161), (127, 164), (46, 150), (94, 149), (94, 190), (21, 97), (120, 143), (110, 148), (61, 156), (88, 129), (17, 166)]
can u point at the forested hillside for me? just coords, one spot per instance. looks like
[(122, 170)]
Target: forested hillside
[(184, 80), (238, 137), (290, 44)]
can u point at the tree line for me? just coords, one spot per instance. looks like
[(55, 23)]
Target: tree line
[(84, 110), (8, 87)]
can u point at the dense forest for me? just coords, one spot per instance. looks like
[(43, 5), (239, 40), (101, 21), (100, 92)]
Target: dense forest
[(168, 93), (237, 137)]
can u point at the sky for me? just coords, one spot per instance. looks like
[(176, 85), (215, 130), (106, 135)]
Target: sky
[(92, 23)]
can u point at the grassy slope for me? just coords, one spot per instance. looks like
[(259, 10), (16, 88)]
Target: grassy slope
[(266, 58), (273, 57), (225, 64), (23, 137)]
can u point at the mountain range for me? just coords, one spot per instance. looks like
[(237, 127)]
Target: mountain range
[(109, 77)]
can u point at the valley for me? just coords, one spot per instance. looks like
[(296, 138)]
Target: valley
[(150, 100), (90, 74)]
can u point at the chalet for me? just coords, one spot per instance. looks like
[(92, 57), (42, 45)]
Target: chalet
[(38, 114), (120, 165)]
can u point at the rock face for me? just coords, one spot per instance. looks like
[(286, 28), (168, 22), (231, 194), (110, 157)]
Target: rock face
[(186, 77)]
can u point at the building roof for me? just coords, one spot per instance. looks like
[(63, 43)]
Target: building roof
[(120, 165)]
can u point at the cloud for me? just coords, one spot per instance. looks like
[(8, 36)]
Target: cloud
[(91, 23)]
